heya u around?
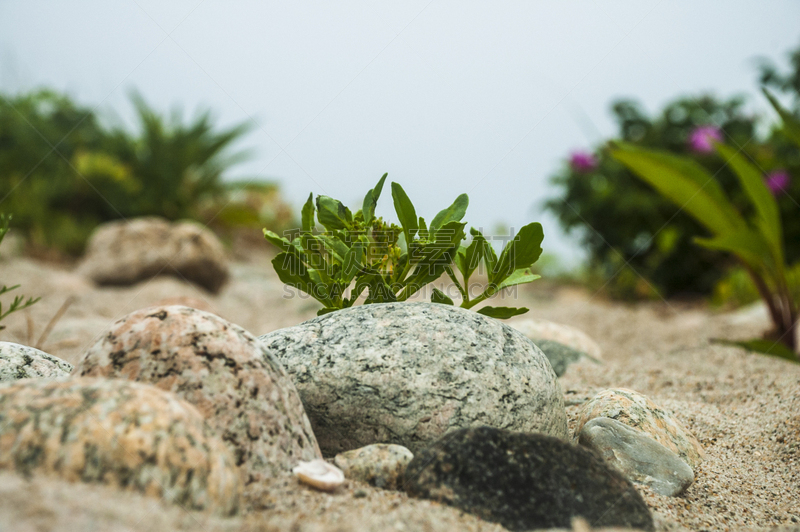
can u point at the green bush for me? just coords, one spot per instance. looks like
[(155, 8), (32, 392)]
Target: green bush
[(639, 243), (64, 172), (755, 240)]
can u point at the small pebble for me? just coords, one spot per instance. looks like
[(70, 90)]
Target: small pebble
[(319, 474), (380, 464)]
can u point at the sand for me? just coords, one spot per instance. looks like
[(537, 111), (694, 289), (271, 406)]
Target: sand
[(743, 408)]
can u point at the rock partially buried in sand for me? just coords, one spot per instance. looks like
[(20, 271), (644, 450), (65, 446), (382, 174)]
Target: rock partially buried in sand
[(319, 474), (126, 252), (560, 355), (406, 373), (524, 481), (221, 369), (127, 435), (380, 464), (638, 411), (537, 330), (23, 362), (640, 458)]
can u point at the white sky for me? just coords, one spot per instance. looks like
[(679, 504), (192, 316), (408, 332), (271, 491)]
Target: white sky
[(447, 96)]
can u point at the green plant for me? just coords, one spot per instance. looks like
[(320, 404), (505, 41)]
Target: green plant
[(64, 172), (756, 241), (638, 243), (19, 302), (393, 262)]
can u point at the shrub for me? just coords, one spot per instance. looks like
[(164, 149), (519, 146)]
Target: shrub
[(755, 240), (361, 252), (64, 173), (632, 234)]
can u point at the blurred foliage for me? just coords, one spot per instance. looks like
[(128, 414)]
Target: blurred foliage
[(19, 302), (736, 288), (640, 244), (64, 172)]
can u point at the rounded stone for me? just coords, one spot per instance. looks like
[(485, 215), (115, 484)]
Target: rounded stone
[(525, 481), (578, 340), (406, 373), (220, 368), (559, 355), (379, 464), (640, 412), (128, 251), (23, 362), (639, 457), (127, 435)]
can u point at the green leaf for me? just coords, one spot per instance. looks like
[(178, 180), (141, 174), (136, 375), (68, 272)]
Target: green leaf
[(502, 313), (765, 347), (353, 262), (453, 213), (371, 200), (326, 310), (292, 271), (379, 291), (405, 212), (486, 250), (332, 214), (335, 246), (314, 248), (308, 214), (791, 125), (768, 215), (523, 250), (432, 258), (282, 243), (437, 296), (423, 229), (684, 182), (745, 243), (521, 276)]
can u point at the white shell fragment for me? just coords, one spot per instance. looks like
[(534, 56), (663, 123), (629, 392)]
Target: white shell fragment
[(319, 474)]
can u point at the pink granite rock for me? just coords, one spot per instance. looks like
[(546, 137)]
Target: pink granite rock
[(221, 369), (127, 435), (639, 412), (126, 252)]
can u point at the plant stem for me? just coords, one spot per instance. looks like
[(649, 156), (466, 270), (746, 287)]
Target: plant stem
[(452, 276)]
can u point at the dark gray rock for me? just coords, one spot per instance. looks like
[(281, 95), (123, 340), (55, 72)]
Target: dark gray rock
[(525, 481), (559, 355), (640, 458), (406, 373), (23, 362)]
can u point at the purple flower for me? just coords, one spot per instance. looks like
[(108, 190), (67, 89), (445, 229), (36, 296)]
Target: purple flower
[(582, 161), (777, 181), (700, 139)]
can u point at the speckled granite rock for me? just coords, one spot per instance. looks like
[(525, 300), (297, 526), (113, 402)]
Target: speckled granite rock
[(524, 481), (126, 252), (559, 355), (220, 368), (379, 464), (127, 435), (639, 457), (23, 362), (564, 334), (639, 412), (406, 373)]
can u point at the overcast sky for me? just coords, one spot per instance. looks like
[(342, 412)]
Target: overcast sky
[(447, 96)]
